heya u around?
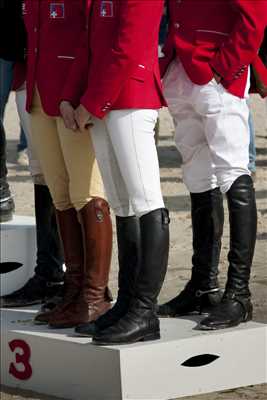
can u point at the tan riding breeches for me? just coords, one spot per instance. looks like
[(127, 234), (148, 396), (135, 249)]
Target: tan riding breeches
[(67, 160)]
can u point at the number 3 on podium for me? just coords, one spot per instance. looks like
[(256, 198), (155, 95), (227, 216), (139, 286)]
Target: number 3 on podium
[(21, 357)]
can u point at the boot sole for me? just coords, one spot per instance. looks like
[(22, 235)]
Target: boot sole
[(78, 334), (191, 313), (40, 322), (69, 326), (223, 326), (32, 303), (146, 338)]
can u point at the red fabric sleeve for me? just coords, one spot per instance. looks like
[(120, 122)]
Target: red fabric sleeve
[(241, 47), (137, 25)]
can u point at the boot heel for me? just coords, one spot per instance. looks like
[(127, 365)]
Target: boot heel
[(151, 336), (248, 316)]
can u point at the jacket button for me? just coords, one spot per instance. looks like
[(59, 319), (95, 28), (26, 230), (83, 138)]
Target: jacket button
[(176, 25)]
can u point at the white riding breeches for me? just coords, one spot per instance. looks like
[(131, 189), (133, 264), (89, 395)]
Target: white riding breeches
[(127, 157), (211, 131)]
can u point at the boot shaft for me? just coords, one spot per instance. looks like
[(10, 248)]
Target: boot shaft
[(129, 254), (49, 249), (154, 260), (72, 243), (243, 230), (96, 228), (207, 215)]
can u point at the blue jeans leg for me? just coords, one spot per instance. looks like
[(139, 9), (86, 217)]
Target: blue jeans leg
[(6, 75), (22, 145)]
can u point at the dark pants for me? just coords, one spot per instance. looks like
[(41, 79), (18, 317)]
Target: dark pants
[(6, 75)]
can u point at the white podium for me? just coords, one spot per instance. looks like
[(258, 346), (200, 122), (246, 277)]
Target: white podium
[(17, 253), (184, 362)]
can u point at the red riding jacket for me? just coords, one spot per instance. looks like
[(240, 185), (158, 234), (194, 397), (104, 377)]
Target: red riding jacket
[(55, 31), (215, 35), (123, 70)]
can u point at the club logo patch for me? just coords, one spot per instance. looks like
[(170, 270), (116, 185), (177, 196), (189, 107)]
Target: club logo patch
[(106, 9), (57, 10)]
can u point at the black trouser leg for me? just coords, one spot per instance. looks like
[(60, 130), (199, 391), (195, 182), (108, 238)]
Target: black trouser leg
[(6, 202)]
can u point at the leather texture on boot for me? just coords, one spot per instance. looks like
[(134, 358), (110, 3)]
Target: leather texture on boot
[(191, 301), (94, 298), (236, 306), (243, 232), (141, 322), (72, 241), (231, 312), (33, 292), (7, 208), (202, 292), (129, 255)]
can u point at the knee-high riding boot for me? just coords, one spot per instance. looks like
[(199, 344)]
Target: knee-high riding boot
[(236, 305), (71, 237), (202, 291), (96, 244), (141, 322), (129, 254), (48, 277)]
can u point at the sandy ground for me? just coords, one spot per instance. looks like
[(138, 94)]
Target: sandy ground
[(177, 201)]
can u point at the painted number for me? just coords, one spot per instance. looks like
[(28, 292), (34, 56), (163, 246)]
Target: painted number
[(22, 357)]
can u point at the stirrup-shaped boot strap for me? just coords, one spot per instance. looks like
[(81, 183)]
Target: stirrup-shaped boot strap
[(200, 293)]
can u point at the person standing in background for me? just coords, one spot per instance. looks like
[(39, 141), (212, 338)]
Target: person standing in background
[(67, 159), (120, 99), (47, 281), (206, 81), (12, 45)]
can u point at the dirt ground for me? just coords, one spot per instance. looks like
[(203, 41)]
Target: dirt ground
[(178, 202)]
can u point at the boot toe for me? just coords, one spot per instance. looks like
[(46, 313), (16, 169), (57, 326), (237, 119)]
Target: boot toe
[(89, 329)]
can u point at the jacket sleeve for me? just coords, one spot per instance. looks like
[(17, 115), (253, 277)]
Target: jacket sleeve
[(76, 80), (137, 22), (242, 46)]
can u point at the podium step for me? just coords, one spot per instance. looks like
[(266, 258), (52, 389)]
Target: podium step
[(184, 362)]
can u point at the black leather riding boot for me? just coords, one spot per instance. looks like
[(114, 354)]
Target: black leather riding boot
[(47, 281), (236, 305), (202, 291), (49, 263), (129, 254), (140, 322)]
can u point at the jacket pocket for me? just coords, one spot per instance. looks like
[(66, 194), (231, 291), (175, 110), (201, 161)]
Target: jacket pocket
[(209, 37), (140, 73)]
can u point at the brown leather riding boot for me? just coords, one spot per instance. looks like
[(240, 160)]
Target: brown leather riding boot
[(94, 299), (72, 240)]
